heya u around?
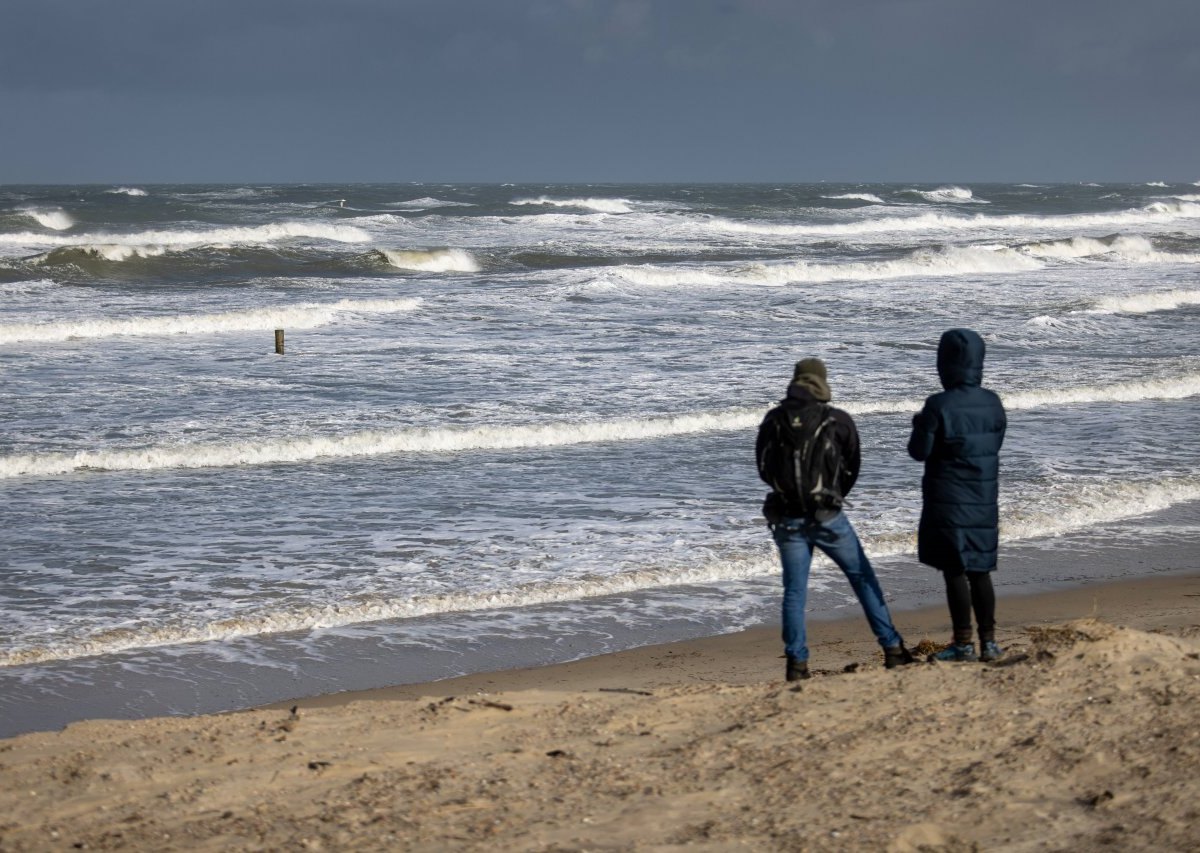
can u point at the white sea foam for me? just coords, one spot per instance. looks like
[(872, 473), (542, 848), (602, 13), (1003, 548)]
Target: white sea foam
[(1145, 303), (1157, 213), (431, 260), (104, 251), (257, 235), (1187, 197), (133, 191), (1125, 247), (1070, 507), (301, 316), (53, 218), (873, 199), (375, 609), (1079, 506), (601, 205), (1156, 184), (427, 202), (950, 261), (949, 195), (522, 436)]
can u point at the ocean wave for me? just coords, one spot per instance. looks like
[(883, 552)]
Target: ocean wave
[(1126, 247), (868, 197), (256, 235), (1159, 212), (427, 202), (431, 260), (132, 191), (1156, 184), (1069, 507), (1145, 303), (53, 218), (948, 195), (1187, 197), (601, 205), (380, 608), (103, 251), (301, 316), (949, 261), (523, 436)]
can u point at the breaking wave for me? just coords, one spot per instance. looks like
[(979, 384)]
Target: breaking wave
[(427, 202), (1074, 506), (1145, 303), (948, 195), (431, 260), (174, 240), (1125, 247), (302, 316), (601, 205), (105, 252), (133, 191), (521, 436), (55, 219), (867, 197), (1159, 212), (949, 261)]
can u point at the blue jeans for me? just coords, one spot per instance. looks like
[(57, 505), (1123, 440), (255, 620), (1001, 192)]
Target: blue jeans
[(796, 538)]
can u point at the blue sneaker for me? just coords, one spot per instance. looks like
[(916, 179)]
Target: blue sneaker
[(963, 652), (990, 651)]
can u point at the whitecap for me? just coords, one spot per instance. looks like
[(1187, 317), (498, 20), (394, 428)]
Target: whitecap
[(301, 316), (1145, 303), (308, 448), (53, 218), (949, 195), (431, 260), (130, 191), (601, 205), (950, 261), (868, 197)]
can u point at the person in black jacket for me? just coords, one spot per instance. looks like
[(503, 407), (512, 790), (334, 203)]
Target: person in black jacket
[(803, 519), (958, 435)]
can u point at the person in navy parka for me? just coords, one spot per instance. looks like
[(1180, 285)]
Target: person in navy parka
[(958, 435)]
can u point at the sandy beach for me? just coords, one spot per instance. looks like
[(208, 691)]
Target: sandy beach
[(1084, 737)]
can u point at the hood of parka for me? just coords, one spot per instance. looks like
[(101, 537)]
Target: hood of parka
[(960, 358)]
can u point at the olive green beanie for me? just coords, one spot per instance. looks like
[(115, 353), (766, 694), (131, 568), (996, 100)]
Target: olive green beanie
[(810, 375)]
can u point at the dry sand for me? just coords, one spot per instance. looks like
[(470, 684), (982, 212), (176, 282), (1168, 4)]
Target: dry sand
[(1088, 738)]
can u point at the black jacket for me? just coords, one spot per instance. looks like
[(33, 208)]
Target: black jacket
[(845, 436), (958, 436)]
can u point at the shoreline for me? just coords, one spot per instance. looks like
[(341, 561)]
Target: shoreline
[(1083, 737), (327, 669), (1155, 602)]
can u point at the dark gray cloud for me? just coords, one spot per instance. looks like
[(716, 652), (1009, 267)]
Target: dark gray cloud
[(111, 90)]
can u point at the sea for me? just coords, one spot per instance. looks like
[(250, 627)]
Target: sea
[(514, 424)]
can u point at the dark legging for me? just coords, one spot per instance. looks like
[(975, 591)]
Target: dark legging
[(966, 591)]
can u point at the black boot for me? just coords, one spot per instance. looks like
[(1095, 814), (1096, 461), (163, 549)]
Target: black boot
[(894, 656), (797, 669)]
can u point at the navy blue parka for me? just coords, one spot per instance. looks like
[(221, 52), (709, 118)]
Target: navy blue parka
[(958, 435)]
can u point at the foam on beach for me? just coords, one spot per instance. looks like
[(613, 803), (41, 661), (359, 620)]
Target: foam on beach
[(1073, 506)]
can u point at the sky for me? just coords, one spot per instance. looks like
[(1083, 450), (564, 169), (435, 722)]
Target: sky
[(153, 91)]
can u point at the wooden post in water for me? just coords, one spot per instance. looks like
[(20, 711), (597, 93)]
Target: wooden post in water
[(279, 341)]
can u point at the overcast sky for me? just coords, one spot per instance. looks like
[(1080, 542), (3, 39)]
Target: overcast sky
[(599, 90)]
